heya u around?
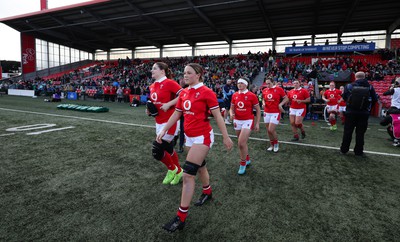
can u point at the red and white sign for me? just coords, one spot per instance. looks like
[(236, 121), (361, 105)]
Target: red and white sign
[(28, 53)]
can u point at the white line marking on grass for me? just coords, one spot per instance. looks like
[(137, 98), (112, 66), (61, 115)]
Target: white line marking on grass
[(1, 135), (49, 130), (151, 126), (81, 118)]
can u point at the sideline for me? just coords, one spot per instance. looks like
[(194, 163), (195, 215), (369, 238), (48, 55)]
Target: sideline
[(153, 126)]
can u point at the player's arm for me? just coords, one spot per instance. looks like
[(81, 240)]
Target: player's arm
[(169, 104), (258, 116), (232, 111), (283, 102), (307, 100)]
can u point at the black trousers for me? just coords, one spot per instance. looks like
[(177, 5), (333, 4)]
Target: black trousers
[(359, 122), (181, 134)]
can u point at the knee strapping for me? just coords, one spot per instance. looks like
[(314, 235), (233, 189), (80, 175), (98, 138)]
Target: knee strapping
[(157, 150), (168, 146), (190, 168)]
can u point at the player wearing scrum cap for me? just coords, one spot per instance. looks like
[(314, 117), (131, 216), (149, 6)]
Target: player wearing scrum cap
[(243, 102)]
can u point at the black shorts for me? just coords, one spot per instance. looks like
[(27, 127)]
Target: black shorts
[(227, 104)]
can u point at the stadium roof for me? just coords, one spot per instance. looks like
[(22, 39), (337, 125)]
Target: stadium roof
[(105, 24)]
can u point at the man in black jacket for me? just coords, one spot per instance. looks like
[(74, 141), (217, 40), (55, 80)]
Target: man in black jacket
[(356, 117)]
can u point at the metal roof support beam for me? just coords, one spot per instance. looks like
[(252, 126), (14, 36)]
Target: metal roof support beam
[(82, 30), (348, 16), (48, 32), (208, 21), (392, 27), (265, 17), (388, 39), (162, 26), (122, 29), (56, 35)]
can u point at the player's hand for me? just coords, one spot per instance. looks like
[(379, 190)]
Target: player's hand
[(257, 127), (281, 109), (228, 143), (165, 107), (147, 112), (298, 101), (160, 135)]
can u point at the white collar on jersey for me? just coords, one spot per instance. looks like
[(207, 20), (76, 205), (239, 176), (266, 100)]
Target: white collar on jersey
[(161, 79), (198, 85), (244, 92), (297, 89)]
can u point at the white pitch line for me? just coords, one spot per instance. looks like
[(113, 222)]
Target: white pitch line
[(151, 126), (50, 130), (2, 135)]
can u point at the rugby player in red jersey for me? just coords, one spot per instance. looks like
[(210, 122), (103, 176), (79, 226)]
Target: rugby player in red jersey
[(332, 96), (298, 98), (163, 94), (194, 103), (274, 97), (242, 104)]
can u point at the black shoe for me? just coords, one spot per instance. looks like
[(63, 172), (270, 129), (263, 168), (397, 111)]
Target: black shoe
[(174, 224), (180, 150), (295, 139), (303, 134), (203, 198), (362, 155), (342, 153)]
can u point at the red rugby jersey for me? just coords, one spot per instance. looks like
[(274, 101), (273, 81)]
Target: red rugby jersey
[(298, 94), (333, 96), (163, 91), (244, 103), (195, 102), (343, 102), (272, 97)]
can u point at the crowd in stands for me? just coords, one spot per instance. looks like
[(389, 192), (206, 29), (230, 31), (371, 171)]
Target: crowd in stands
[(116, 80)]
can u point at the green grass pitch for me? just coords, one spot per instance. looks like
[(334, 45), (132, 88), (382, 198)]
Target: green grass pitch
[(97, 181)]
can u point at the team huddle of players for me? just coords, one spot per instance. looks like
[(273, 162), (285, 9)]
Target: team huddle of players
[(169, 102)]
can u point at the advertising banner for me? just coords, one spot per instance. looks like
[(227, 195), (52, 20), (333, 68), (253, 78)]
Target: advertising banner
[(359, 47), (72, 96), (28, 53)]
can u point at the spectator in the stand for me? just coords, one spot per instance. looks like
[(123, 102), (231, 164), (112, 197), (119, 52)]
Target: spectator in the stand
[(354, 41), (294, 44), (340, 41), (113, 93), (327, 42), (127, 92), (120, 94), (363, 41), (228, 90), (305, 43), (106, 93)]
